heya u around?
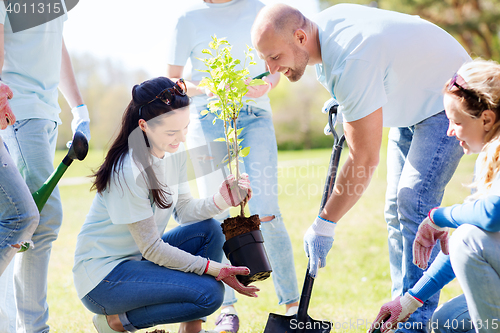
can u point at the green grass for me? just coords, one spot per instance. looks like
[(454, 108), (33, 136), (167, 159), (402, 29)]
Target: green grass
[(348, 291)]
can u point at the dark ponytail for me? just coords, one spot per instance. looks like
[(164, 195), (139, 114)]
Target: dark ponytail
[(130, 136)]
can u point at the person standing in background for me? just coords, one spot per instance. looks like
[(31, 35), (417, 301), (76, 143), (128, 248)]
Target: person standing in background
[(232, 20), (35, 62)]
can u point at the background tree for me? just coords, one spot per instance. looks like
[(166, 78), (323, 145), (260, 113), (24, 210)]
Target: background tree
[(474, 23)]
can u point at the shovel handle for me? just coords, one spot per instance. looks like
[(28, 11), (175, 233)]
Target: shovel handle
[(305, 297)]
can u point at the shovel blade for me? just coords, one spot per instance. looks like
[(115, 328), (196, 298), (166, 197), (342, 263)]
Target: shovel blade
[(288, 324)]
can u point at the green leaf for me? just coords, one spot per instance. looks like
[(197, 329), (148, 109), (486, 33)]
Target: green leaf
[(245, 151), (220, 140), (204, 112)]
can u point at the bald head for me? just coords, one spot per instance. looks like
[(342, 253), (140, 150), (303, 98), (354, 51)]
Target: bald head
[(278, 20)]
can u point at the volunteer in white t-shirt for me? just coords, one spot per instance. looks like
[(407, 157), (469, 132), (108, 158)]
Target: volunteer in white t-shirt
[(385, 69), (128, 270)]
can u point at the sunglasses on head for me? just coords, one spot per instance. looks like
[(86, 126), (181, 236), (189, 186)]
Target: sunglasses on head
[(167, 95), (459, 82)]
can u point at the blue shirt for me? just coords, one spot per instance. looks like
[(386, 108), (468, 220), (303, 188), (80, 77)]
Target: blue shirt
[(373, 58), (230, 20), (32, 67)]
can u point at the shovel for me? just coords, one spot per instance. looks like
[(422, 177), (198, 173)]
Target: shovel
[(78, 150), (302, 322)]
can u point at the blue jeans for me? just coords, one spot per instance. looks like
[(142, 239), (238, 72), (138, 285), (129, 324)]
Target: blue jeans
[(262, 167), (452, 317), (32, 146), (421, 160), (18, 213), (474, 255), (144, 294)]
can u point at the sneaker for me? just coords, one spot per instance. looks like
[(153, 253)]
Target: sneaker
[(227, 322), (101, 324), (292, 311)]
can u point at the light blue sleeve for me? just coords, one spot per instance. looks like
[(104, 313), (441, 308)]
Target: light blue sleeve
[(483, 213), (180, 44), (3, 13), (360, 89), (439, 274)]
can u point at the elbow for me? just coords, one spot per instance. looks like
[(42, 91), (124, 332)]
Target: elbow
[(492, 224)]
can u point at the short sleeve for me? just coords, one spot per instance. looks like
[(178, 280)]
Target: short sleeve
[(3, 13), (127, 198), (180, 43), (360, 90)]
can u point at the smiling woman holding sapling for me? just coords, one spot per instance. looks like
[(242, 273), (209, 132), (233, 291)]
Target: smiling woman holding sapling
[(128, 270)]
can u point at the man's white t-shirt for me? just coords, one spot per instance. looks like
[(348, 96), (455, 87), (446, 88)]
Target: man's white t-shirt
[(374, 58)]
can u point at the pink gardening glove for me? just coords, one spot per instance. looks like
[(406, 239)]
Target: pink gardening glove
[(227, 274), (6, 116), (395, 312), (258, 91), (234, 192), (427, 236)]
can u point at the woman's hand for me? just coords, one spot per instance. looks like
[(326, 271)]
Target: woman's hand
[(227, 274), (232, 192), (6, 115)]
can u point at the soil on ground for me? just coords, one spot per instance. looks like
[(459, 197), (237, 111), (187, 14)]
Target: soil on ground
[(239, 225)]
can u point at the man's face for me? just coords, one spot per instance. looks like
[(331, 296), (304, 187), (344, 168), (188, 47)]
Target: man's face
[(282, 56)]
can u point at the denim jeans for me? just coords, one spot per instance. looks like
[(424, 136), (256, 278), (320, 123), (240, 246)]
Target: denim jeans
[(262, 167), (32, 146), (144, 294), (474, 255), (452, 317), (18, 213), (421, 160)]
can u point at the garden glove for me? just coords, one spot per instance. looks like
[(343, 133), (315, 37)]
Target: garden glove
[(6, 115), (318, 241), (395, 312), (227, 274), (81, 120), (325, 109), (427, 236), (232, 193), (258, 91)]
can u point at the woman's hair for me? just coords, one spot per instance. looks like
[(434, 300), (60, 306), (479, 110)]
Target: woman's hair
[(482, 93), (130, 136)]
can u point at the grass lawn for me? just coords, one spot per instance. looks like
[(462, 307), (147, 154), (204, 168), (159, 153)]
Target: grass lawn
[(348, 291)]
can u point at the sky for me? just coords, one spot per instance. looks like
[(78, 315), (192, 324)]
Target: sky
[(135, 33)]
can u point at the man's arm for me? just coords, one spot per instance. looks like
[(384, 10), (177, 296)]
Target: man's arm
[(364, 138), (67, 84)]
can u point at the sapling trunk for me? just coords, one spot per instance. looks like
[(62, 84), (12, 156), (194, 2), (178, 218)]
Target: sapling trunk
[(242, 205)]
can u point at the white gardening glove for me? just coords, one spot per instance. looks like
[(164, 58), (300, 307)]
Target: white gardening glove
[(81, 120), (325, 109), (7, 117), (227, 274), (318, 241), (395, 312), (232, 193), (427, 236)]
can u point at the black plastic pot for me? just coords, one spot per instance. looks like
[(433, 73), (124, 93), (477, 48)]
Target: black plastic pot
[(248, 250)]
